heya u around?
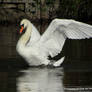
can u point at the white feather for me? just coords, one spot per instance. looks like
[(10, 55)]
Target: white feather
[(59, 62), (52, 41)]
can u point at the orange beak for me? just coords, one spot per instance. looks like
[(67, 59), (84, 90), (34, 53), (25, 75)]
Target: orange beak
[(21, 30)]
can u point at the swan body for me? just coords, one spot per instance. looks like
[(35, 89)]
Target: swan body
[(35, 48)]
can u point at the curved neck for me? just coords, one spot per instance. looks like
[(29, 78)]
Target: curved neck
[(26, 36)]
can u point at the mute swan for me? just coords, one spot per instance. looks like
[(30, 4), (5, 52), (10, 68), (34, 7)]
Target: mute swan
[(35, 48)]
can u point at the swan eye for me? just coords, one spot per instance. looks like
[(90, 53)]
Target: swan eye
[(22, 25)]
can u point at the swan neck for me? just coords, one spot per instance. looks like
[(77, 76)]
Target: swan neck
[(26, 36)]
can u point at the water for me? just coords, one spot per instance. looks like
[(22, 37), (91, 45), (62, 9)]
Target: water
[(41, 80), (53, 80), (44, 80)]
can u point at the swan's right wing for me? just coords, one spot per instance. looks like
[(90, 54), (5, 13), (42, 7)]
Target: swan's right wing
[(77, 30), (59, 29)]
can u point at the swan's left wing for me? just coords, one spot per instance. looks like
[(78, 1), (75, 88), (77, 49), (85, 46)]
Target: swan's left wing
[(54, 37)]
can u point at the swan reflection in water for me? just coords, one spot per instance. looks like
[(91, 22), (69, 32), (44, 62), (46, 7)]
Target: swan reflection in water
[(41, 80)]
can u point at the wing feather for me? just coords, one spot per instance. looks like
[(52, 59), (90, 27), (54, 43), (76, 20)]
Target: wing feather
[(59, 29), (79, 30)]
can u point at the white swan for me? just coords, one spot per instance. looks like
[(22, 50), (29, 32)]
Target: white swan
[(35, 48)]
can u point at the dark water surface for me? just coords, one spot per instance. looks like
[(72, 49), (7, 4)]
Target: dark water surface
[(45, 80)]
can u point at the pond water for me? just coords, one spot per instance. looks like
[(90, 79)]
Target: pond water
[(41, 80), (44, 79), (53, 80)]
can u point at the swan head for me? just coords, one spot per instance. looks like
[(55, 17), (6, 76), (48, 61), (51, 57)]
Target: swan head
[(24, 24)]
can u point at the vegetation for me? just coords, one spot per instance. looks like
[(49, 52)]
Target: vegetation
[(49, 9), (76, 9)]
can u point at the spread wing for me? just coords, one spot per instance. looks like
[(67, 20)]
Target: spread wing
[(59, 29)]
